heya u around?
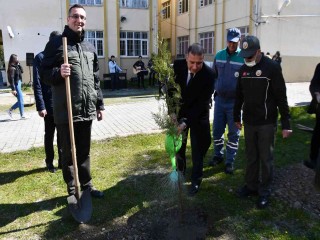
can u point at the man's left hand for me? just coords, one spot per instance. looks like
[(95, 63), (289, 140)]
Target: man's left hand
[(286, 133), (99, 115)]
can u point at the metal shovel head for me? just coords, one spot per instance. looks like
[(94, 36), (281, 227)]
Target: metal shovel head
[(81, 209)]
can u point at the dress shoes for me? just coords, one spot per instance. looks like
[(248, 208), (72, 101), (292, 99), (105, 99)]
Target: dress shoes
[(194, 188), (59, 164), (229, 168), (263, 202), (96, 193), (51, 168), (215, 161), (309, 164), (246, 192)]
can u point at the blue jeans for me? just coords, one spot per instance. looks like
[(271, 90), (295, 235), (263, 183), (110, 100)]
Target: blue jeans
[(19, 104), (223, 115)]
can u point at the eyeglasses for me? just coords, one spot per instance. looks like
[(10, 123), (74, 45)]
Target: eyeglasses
[(76, 16)]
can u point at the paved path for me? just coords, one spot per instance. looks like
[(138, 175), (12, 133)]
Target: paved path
[(119, 120)]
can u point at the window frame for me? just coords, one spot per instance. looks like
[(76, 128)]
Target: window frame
[(144, 4), (183, 6), (96, 41), (129, 40), (182, 44), (204, 3), (87, 2), (166, 10), (204, 39)]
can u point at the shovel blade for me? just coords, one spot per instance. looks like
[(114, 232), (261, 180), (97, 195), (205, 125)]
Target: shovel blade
[(81, 209)]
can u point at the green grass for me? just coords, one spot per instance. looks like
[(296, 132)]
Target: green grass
[(130, 171)]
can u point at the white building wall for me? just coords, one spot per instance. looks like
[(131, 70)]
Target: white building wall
[(31, 21), (294, 33)]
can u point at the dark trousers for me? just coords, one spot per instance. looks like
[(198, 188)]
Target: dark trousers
[(114, 81), (152, 77), (259, 141), (200, 142), (49, 129), (315, 141), (140, 77), (82, 136)]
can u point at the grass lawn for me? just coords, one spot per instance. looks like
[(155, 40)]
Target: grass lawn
[(133, 173)]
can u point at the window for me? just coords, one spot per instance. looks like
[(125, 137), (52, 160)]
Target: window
[(244, 31), (183, 44), (133, 43), (166, 10), (96, 38), (86, 2), (183, 6), (203, 3), (133, 3), (206, 40)]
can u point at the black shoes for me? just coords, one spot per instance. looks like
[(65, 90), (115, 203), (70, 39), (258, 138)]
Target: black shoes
[(59, 164), (246, 192), (309, 164), (215, 161), (96, 193), (50, 167), (263, 202), (229, 168), (194, 188)]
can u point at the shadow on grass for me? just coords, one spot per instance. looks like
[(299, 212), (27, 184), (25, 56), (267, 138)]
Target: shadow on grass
[(12, 211), (8, 177)]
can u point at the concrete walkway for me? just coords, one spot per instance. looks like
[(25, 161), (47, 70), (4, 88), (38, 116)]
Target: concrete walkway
[(119, 120)]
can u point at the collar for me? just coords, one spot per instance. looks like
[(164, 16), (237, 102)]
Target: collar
[(70, 34)]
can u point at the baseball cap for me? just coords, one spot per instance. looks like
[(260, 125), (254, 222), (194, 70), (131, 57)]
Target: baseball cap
[(233, 35), (249, 46)]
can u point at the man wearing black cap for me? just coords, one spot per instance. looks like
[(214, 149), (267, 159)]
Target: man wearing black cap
[(226, 64), (260, 92)]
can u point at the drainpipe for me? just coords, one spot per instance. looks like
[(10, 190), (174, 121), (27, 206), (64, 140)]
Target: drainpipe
[(215, 28)]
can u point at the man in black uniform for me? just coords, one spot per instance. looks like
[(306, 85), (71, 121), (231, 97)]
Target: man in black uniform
[(260, 92)]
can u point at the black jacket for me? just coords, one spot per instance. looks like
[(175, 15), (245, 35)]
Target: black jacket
[(85, 89), (260, 92), (14, 75), (42, 91), (196, 97)]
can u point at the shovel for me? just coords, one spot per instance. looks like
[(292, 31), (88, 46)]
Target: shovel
[(80, 204)]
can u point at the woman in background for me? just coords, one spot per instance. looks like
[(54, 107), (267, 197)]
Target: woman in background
[(14, 72)]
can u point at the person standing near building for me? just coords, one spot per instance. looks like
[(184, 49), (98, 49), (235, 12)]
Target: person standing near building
[(196, 81), (276, 57), (152, 72), (14, 72), (141, 70), (315, 139), (114, 69), (226, 64), (86, 95), (43, 97), (260, 92)]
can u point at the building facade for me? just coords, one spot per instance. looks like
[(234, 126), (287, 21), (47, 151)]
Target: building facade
[(281, 25), (123, 28), (129, 28)]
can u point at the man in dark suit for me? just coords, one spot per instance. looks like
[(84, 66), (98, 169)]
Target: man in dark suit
[(196, 81), (44, 105)]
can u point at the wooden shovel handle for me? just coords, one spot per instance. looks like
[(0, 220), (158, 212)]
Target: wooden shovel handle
[(70, 118)]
